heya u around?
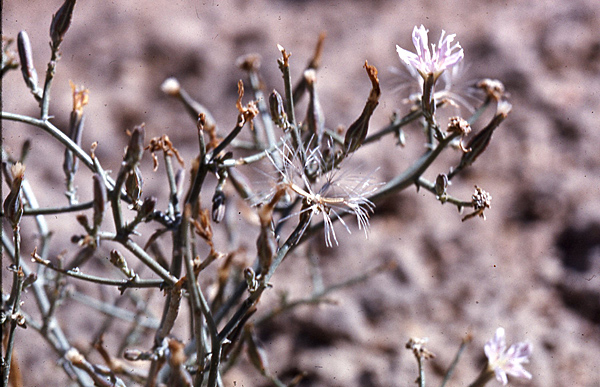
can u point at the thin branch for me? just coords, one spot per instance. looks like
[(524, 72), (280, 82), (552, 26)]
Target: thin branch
[(15, 299), (450, 371), (319, 297), (114, 311), (135, 282)]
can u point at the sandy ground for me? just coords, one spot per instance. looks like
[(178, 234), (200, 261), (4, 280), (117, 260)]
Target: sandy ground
[(533, 267)]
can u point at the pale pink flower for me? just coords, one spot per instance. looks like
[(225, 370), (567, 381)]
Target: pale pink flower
[(503, 361), (434, 61)]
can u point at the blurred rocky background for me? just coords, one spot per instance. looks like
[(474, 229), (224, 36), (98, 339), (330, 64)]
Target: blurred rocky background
[(533, 267)]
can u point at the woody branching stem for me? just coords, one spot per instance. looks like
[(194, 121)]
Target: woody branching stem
[(307, 159)]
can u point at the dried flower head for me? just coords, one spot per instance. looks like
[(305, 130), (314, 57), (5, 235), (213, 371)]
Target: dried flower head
[(502, 361), (431, 62), (339, 193), (481, 200), (417, 346), (459, 125), (493, 88)]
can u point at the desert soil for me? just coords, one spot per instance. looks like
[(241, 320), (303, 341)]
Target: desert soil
[(533, 267)]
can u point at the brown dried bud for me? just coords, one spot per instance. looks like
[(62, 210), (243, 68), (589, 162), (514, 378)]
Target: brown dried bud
[(177, 357), (218, 206), (61, 22), (31, 278), (250, 277), (479, 143), (249, 62), (266, 246), (100, 197), (13, 205), (257, 353), (133, 184), (26, 58), (357, 132), (25, 148), (83, 220), (148, 206), (117, 259), (132, 354), (277, 109), (135, 149)]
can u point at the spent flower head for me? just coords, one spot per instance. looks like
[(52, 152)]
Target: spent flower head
[(502, 361), (434, 61), (324, 191)]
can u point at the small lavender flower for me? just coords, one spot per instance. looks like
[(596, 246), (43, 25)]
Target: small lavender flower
[(502, 361), (436, 61)]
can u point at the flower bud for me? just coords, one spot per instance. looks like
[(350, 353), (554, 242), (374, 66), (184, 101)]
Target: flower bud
[(479, 143), (100, 198), (13, 205), (61, 22), (357, 132), (133, 185), (218, 206), (314, 117), (401, 137), (26, 58), (277, 109), (135, 149), (31, 278), (441, 184), (80, 99)]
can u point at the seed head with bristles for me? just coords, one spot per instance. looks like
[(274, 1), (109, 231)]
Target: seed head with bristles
[(331, 193)]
